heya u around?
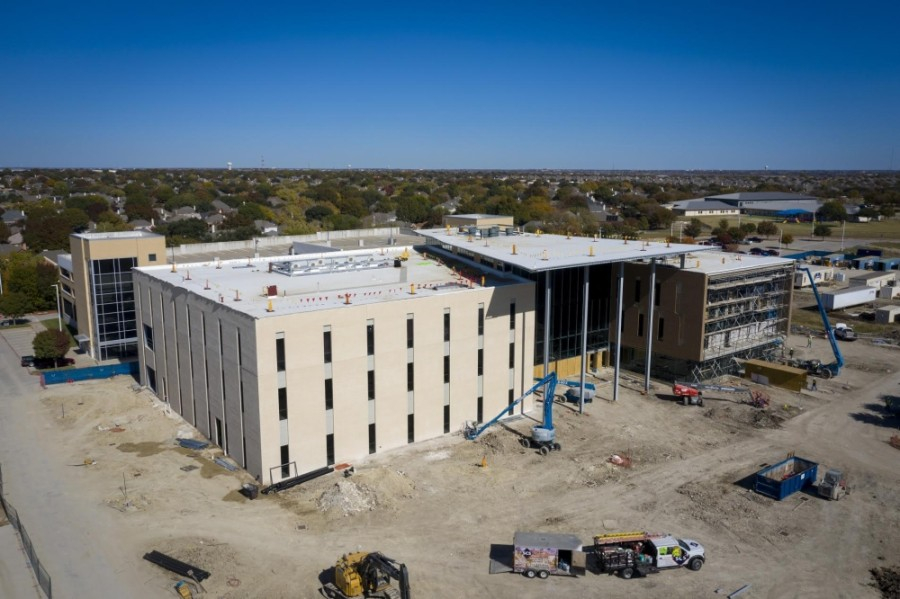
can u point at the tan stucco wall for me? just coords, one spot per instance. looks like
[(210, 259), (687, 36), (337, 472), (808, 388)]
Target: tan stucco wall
[(84, 250), (682, 306), (482, 221), (187, 362)]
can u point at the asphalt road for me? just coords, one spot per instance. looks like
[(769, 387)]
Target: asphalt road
[(80, 555)]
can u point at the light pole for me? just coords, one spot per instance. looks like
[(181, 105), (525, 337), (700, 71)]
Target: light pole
[(58, 311), (843, 224)]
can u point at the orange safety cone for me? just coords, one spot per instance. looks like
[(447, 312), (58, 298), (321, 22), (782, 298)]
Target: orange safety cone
[(484, 462)]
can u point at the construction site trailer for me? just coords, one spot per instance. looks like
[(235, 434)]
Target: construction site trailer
[(777, 375), (852, 296), (887, 315), (887, 264), (874, 279), (542, 553), (785, 477)]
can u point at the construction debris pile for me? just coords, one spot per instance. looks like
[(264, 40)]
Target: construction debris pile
[(887, 580)]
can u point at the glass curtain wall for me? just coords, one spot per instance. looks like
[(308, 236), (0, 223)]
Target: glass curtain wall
[(112, 292), (566, 302)]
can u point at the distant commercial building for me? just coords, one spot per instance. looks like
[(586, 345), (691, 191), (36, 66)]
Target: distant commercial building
[(478, 220), (96, 290), (772, 204)]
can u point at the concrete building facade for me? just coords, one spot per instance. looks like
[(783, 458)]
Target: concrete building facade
[(294, 363)]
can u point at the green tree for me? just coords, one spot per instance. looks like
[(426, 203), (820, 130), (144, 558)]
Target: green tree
[(832, 210), (822, 231), (767, 228), (32, 276), (787, 239), (318, 212), (412, 209), (47, 229), (51, 344), (694, 228), (14, 304)]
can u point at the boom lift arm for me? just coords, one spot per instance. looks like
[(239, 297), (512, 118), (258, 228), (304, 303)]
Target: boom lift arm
[(838, 363), (550, 381)]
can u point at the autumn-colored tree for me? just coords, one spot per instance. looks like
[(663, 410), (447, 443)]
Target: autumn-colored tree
[(51, 344)]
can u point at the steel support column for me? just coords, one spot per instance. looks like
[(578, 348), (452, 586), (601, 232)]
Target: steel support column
[(619, 331), (547, 290), (651, 301), (584, 330)]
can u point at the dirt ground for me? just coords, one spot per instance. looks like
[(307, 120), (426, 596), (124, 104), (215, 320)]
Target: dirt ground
[(434, 507)]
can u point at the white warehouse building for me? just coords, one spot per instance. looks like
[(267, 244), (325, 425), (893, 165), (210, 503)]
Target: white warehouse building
[(297, 362)]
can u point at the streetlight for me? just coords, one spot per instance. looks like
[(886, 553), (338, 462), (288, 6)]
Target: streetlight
[(58, 310)]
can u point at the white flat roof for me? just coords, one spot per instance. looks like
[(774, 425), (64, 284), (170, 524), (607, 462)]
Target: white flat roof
[(117, 235), (720, 262), (319, 281), (537, 253)]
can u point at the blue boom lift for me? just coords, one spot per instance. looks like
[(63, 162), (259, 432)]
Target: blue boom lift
[(814, 366), (543, 436)]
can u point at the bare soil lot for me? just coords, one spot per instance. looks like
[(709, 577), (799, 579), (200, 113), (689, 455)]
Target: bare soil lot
[(434, 507)]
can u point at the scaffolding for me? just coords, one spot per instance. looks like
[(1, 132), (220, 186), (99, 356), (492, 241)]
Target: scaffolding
[(747, 317)]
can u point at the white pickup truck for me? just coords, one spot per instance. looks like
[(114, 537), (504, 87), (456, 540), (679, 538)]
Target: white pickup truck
[(844, 332), (641, 553)]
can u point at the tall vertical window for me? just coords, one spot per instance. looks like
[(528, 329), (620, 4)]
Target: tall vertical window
[(661, 328), (446, 326), (148, 336), (371, 384), (410, 378), (410, 428), (285, 461), (480, 361), (446, 419), (409, 330), (512, 355), (372, 438), (656, 293), (326, 342), (329, 394), (479, 416), (510, 400), (329, 449), (370, 338), (282, 404), (446, 369), (640, 325), (279, 354), (512, 316), (637, 290), (481, 319)]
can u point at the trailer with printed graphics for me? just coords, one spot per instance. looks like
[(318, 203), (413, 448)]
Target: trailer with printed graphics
[(540, 554)]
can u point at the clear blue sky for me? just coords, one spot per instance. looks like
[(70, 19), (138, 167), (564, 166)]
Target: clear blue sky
[(790, 84)]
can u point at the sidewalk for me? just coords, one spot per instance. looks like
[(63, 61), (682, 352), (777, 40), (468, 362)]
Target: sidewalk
[(16, 579)]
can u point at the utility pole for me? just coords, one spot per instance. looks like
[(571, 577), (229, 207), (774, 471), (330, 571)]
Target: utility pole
[(58, 310)]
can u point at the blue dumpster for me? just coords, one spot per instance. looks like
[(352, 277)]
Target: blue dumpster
[(785, 478)]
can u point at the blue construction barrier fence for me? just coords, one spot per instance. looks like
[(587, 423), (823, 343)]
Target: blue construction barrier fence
[(53, 377)]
